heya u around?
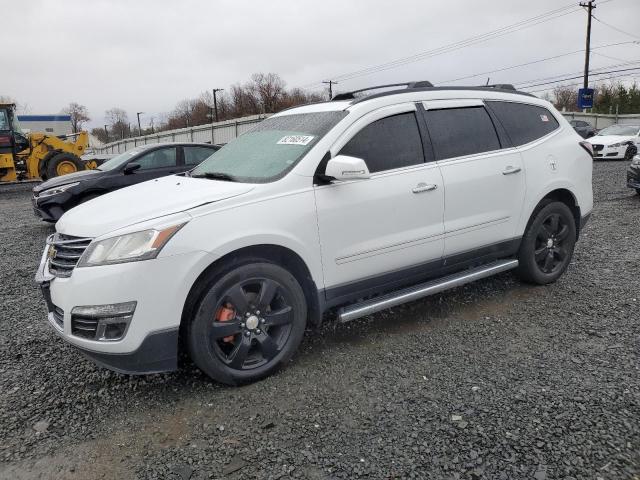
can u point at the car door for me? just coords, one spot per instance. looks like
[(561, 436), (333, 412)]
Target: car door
[(483, 177), (156, 163), (385, 230)]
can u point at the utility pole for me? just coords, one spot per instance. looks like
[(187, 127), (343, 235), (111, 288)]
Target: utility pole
[(590, 5), (215, 101), (106, 133), (139, 127), (152, 131), (331, 83)]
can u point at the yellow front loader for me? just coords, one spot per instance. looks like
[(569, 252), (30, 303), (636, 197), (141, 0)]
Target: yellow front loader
[(37, 155)]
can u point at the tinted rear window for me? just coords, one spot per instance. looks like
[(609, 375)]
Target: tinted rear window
[(456, 132), (524, 123)]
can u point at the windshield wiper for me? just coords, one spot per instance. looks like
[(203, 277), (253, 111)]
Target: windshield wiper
[(216, 176)]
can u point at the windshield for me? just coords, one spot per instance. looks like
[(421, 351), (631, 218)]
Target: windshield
[(271, 149), (626, 130), (119, 160)]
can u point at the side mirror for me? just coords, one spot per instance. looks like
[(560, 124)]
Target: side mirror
[(343, 167), (131, 167)]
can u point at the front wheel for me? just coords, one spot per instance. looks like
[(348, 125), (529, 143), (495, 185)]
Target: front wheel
[(248, 323), (547, 245)]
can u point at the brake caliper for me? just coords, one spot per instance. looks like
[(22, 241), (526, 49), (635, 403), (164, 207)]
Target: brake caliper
[(225, 314)]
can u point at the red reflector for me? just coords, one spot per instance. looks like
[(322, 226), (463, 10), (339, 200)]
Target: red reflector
[(5, 140), (588, 147)]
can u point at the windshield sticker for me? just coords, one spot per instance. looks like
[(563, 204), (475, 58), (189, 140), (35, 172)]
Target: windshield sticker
[(295, 140), (544, 118)]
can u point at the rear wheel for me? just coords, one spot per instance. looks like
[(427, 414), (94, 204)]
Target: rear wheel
[(547, 245), (248, 323), (62, 164)]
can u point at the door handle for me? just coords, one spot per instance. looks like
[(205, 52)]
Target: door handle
[(423, 187), (510, 170)]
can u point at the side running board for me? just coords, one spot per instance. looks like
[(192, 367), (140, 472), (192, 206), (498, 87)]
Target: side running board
[(367, 307)]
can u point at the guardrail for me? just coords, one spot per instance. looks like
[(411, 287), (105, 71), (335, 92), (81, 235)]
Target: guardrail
[(219, 132), (603, 120)]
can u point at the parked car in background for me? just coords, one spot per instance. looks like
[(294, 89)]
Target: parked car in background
[(584, 129), (146, 162), (617, 142), (633, 174), (361, 203)]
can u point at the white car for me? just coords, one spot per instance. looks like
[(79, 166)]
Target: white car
[(617, 142), (358, 204)]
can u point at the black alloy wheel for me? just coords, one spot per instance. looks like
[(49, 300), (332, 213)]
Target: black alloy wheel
[(547, 245), (247, 323), (551, 252), (260, 326)]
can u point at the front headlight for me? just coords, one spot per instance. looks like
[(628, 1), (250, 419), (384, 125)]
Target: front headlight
[(619, 144), (132, 247), (56, 190)]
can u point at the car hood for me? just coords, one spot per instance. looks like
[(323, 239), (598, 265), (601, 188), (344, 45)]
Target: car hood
[(610, 139), (68, 178), (145, 201)]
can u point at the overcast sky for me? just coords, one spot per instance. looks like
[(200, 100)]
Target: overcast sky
[(146, 55)]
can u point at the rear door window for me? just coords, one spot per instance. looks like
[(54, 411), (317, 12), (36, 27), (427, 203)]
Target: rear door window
[(456, 132), (194, 155), (388, 143), (160, 158), (524, 123)]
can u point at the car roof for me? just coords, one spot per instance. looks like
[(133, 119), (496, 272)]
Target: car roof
[(424, 94)]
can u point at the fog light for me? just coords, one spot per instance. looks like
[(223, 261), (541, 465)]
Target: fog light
[(105, 323)]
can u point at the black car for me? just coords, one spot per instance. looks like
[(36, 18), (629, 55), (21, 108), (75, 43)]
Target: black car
[(633, 174), (145, 162), (584, 129)]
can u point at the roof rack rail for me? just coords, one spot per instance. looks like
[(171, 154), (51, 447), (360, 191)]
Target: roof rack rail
[(351, 95), (501, 86)]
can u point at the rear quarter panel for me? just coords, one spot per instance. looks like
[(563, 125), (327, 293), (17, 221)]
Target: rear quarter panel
[(557, 161)]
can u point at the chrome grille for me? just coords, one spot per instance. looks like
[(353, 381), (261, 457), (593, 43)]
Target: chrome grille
[(64, 253)]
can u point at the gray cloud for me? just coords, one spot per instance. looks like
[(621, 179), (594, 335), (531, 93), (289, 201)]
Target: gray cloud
[(146, 55)]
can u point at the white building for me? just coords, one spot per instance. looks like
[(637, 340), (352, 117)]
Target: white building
[(52, 124)]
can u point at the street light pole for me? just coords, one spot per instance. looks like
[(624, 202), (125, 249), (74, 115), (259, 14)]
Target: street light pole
[(139, 128), (106, 133), (215, 101)]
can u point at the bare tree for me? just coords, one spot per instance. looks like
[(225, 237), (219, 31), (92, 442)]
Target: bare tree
[(119, 121), (79, 115), (565, 98)]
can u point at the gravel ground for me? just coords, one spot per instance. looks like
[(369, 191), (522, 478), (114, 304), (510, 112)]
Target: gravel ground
[(495, 380)]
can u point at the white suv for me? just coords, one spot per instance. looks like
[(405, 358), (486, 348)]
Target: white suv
[(361, 203)]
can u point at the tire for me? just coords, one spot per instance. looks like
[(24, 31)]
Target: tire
[(630, 152), (547, 245), (237, 337), (63, 163)]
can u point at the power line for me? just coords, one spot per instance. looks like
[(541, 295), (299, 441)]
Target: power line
[(615, 28), (547, 16), (451, 48), (573, 78), (580, 83), (552, 77), (532, 62)]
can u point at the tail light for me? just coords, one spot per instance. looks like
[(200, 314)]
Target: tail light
[(5, 140), (588, 147)]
